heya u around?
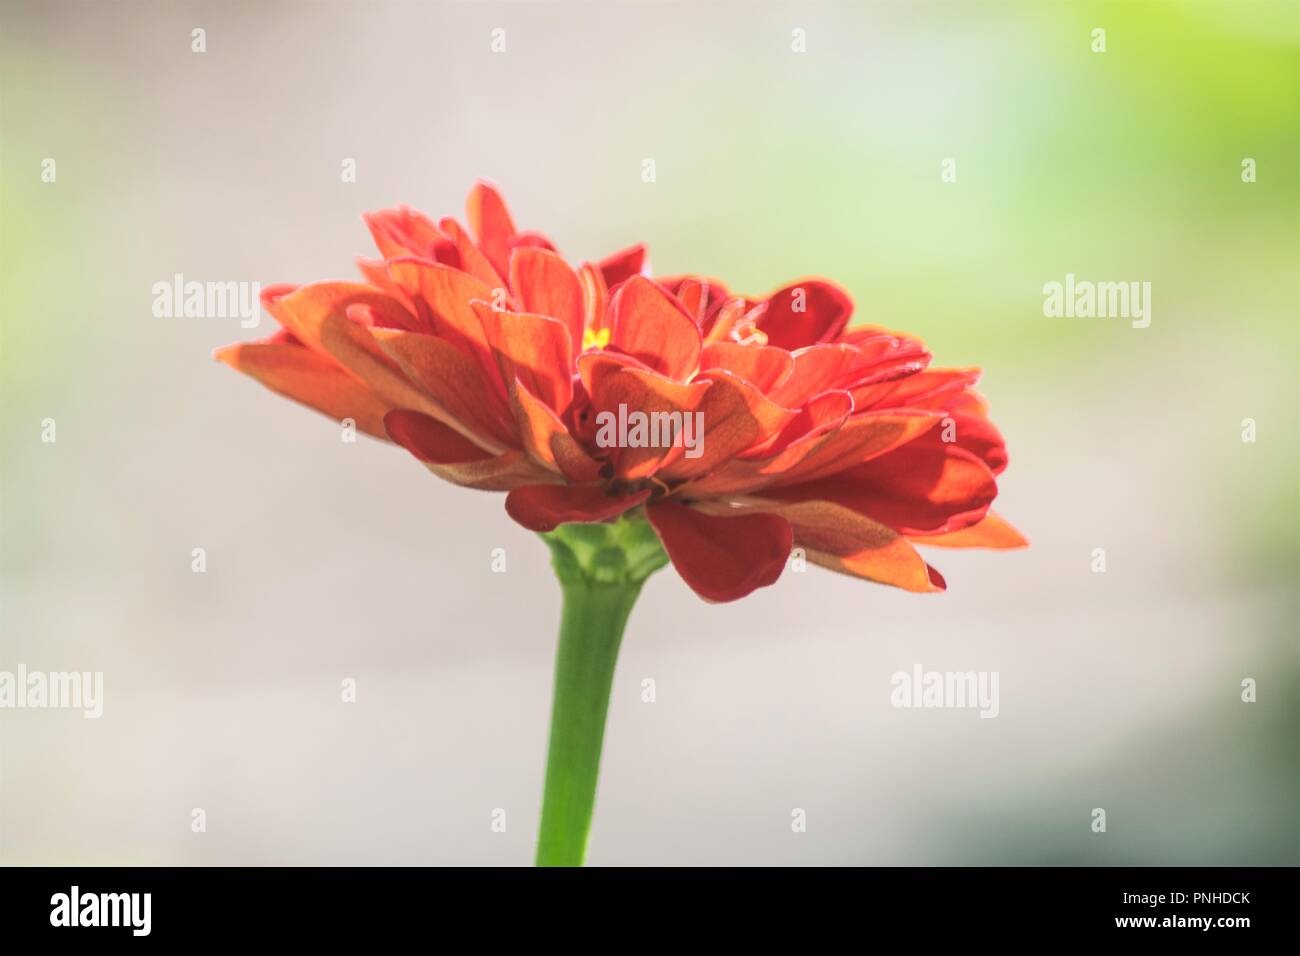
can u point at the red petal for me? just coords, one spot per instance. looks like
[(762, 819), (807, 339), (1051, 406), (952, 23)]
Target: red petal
[(722, 558), (624, 264), (430, 440), (455, 459), (843, 540), (825, 310), (924, 487), (546, 507)]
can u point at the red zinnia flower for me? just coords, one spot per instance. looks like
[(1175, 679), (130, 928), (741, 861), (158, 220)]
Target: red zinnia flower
[(493, 361)]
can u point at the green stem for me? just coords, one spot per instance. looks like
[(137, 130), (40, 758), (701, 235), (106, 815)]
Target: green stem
[(601, 569)]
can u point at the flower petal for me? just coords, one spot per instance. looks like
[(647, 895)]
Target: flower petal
[(650, 325), (469, 257), (930, 388), (805, 312), (453, 458), (303, 309), (722, 558), (490, 221), (622, 265), (311, 378), (546, 507), (816, 369), (534, 349), (823, 414), (859, 439), (635, 390), (443, 298), (993, 532), (430, 440), (762, 366), (547, 440), (924, 487), (543, 283), (453, 380), (404, 231), (843, 540), (735, 416)]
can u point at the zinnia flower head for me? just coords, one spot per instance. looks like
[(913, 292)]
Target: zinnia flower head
[(497, 364)]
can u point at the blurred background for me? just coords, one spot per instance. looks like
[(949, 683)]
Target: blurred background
[(329, 561)]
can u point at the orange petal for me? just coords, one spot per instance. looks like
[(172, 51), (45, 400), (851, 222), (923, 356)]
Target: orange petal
[(547, 440), (722, 558), (814, 454), (534, 349), (992, 532), (443, 297), (471, 258), (861, 438), (823, 414), (762, 366), (311, 378), (650, 325), (736, 416), (304, 309), (543, 283), (404, 231), (816, 369), (453, 380), (546, 507), (843, 540), (353, 346), (643, 391), (491, 224), (930, 388)]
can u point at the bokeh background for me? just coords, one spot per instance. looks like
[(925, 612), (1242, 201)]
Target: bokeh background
[(328, 560)]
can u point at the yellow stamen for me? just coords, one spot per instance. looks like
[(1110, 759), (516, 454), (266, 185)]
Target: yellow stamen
[(595, 338)]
